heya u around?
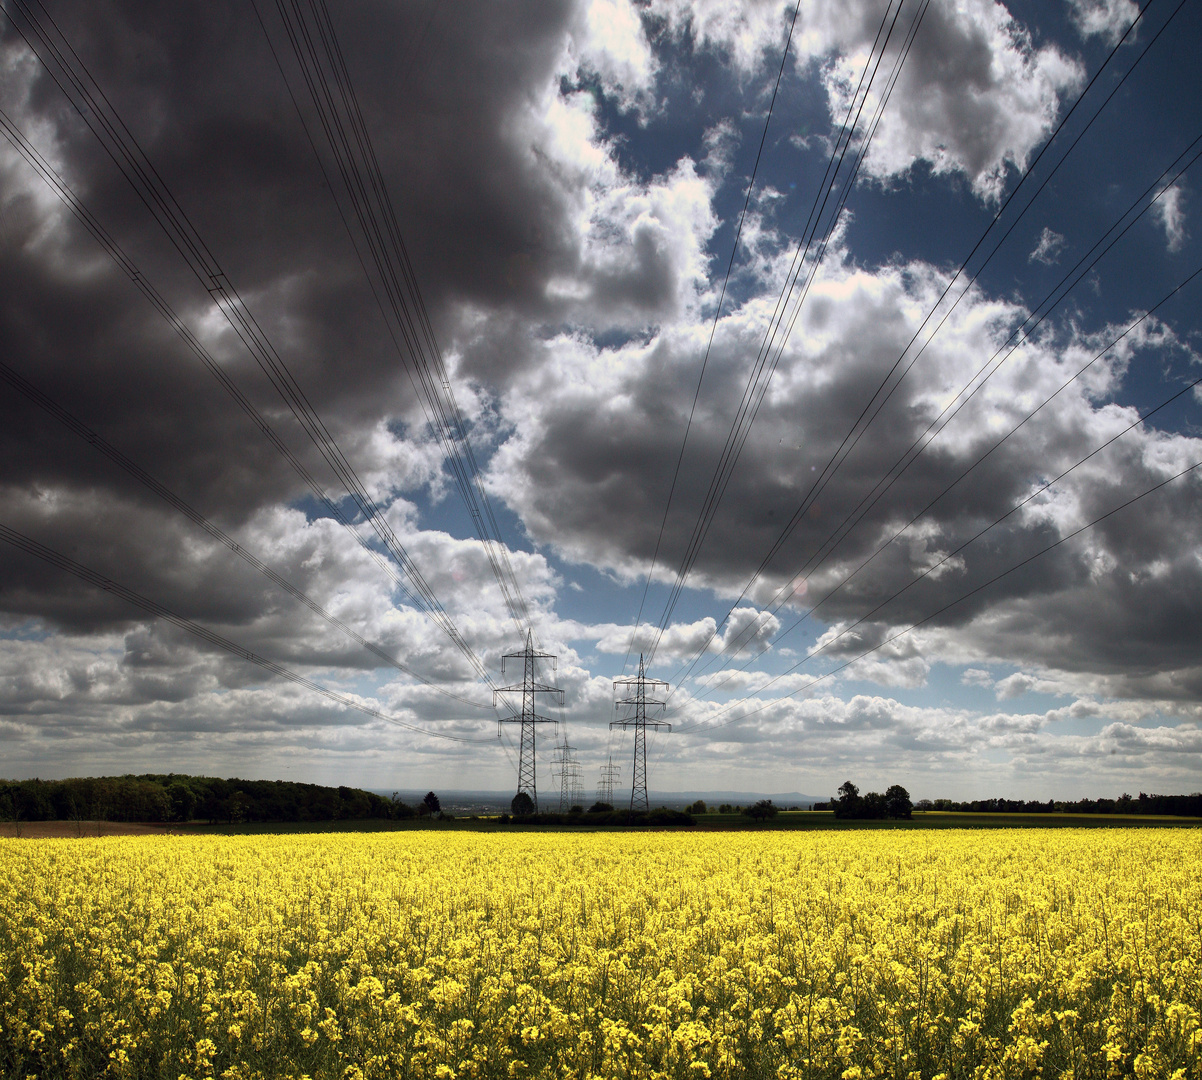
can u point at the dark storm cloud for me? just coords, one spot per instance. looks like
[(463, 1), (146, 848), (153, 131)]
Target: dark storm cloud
[(488, 215), (199, 89)]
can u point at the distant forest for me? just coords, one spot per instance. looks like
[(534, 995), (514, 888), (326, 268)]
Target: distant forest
[(174, 797)]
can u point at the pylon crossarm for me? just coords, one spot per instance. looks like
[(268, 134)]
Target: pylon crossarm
[(533, 688), (522, 656)]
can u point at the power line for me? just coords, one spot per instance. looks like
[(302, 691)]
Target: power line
[(90, 222), (49, 555), (1143, 418), (946, 607), (823, 479), (1047, 305), (63, 64), (762, 371), (855, 432), (359, 169), (713, 329), (823, 186), (147, 288), (1014, 509), (123, 461)]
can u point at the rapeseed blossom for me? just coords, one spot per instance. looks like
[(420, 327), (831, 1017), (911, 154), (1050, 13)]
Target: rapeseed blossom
[(462, 955)]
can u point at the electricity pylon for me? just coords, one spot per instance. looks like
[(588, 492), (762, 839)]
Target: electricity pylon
[(528, 717), (609, 776), (640, 701), (569, 775)]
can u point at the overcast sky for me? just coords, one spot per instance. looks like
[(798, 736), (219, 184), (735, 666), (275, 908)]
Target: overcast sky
[(569, 180)]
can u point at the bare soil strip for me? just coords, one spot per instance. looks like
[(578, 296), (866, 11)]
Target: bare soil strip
[(40, 830)]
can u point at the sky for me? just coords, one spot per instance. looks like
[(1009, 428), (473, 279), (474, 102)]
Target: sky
[(839, 359)]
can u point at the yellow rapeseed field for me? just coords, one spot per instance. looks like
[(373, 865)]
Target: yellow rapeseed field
[(442, 955)]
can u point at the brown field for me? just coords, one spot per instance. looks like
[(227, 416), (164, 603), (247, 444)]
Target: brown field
[(39, 830)]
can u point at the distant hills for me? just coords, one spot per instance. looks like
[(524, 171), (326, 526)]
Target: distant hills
[(780, 798)]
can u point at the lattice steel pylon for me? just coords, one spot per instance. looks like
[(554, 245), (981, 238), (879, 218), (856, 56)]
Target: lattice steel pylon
[(569, 775), (528, 717), (609, 777), (639, 702)]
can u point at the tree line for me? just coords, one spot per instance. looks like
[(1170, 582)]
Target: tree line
[(1170, 805), (895, 803), (174, 797)]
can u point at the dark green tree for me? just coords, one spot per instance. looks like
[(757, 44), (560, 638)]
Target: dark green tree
[(522, 804), (183, 801), (897, 802), (873, 806), (431, 803), (761, 810), (398, 809), (847, 804), (234, 809)]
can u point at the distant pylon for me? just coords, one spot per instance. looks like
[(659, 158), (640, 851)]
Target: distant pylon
[(528, 717), (569, 775), (638, 720), (609, 777)]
